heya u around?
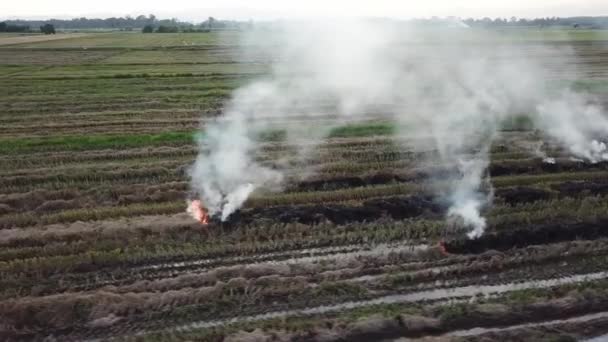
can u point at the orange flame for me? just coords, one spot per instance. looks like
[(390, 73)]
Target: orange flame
[(198, 212)]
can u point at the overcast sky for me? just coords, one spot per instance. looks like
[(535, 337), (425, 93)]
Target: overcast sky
[(196, 10)]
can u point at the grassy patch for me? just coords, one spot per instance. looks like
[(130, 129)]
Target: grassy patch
[(93, 142), (362, 130), (590, 85)]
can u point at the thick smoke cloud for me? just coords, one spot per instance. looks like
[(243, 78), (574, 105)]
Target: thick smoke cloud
[(321, 69), (449, 90)]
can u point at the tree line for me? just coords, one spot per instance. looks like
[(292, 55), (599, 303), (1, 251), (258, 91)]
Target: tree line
[(6, 27), (151, 23), (208, 25), (574, 22), (46, 28), (127, 23)]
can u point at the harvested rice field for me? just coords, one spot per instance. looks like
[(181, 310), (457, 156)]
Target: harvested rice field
[(98, 137)]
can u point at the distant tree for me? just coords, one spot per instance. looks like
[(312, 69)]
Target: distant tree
[(8, 27), (47, 29), (167, 29), (148, 29), (499, 22)]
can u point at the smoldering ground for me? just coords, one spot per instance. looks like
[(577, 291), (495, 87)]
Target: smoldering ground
[(452, 89)]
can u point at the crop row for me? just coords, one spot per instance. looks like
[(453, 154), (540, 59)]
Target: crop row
[(174, 228), (315, 269), (166, 103), (365, 192), (332, 151), (26, 274), (20, 271), (107, 116), (397, 267), (389, 321), (349, 165), (115, 128), (41, 162), (133, 86), (552, 182)]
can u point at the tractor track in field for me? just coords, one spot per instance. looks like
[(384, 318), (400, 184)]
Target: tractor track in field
[(435, 296), (443, 291), (558, 322)]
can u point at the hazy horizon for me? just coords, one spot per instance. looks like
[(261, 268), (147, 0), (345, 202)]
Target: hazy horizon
[(189, 10)]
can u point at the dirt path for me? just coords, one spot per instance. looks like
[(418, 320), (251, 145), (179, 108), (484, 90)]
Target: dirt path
[(584, 318), (38, 38)]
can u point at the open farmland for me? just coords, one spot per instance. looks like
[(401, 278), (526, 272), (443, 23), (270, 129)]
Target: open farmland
[(97, 135)]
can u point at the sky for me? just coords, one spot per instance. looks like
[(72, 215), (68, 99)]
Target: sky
[(198, 10)]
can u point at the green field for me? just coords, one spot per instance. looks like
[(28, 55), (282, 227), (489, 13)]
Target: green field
[(97, 136), (137, 40)]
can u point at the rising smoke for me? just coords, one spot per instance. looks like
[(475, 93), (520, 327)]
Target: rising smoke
[(448, 89)]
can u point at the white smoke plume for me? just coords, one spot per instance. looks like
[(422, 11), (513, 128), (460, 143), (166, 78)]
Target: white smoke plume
[(466, 198), (454, 87), (225, 172), (538, 152), (575, 122)]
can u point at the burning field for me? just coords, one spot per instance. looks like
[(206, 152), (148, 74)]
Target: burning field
[(357, 185)]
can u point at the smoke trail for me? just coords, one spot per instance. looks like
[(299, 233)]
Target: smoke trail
[(465, 95)]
